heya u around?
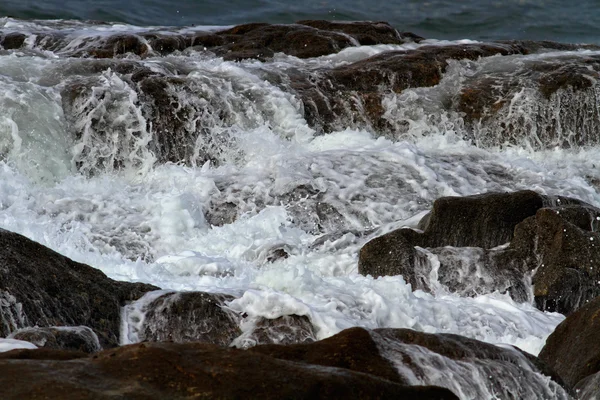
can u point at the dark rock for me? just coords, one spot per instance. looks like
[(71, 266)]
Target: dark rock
[(184, 317), (78, 338), (485, 221), (589, 387), (569, 260), (551, 235), (288, 329), (39, 287), (170, 370), (365, 33), (456, 360), (13, 40), (573, 349)]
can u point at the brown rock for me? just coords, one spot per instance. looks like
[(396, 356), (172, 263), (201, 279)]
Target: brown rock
[(573, 349), (177, 371)]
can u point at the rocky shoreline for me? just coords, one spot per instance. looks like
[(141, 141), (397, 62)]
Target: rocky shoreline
[(72, 311), (190, 344)]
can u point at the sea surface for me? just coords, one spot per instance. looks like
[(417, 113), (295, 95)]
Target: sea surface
[(147, 221), (575, 22)]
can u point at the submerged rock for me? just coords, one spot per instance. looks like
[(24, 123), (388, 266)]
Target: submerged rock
[(77, 338), (182, 317), (288, 329), (39, 287)]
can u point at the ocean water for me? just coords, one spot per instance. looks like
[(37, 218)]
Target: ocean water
[(147, 221), (575, 22)]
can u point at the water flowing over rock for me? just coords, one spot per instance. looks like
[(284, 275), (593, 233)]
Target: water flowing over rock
[(39, 287), (181, 317), (573, 349), (460, 249), (288, 329), (77, 338)]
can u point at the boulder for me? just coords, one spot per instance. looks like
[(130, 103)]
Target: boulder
[(460, 249), (173, 370), (484, 221), (182, 317), (573, 349), (76, 338), (39, 287)]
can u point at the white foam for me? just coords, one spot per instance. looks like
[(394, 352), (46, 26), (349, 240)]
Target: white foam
[(13, 344)]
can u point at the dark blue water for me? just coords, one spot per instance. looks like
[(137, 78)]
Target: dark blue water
[(442, 19)]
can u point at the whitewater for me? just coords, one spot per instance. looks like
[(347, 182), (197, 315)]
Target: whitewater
[(154, 222)]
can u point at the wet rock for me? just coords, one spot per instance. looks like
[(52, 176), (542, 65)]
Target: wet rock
[(339, 351), (288, 329), (589, 387), (460, 249), (573, 349), (13, 40), (484, 221), (569, 260), (365, 33), (77, 338), (183, 317), (170, 370), (39, 287), (456, 360), (537, 102), (262, 40), (353, 93)]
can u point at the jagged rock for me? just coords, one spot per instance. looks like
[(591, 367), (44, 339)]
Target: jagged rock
[(39, 287), (569, 263), (573, 349), (171, 370), (182, 317), (287, 329), (496, 111), (78, 338), (553, 235), (365, 33), (353, 93), (485, 221)]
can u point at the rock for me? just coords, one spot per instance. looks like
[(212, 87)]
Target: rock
[(365, 33), (551, 235), (573, 349), (171, 370), (288, 329), (569, 263), (39, 287), (351, 95), (77, 338), (182, 317), (589, 387), (485, 221), (535, 103), (13, 40), (468, 367)]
